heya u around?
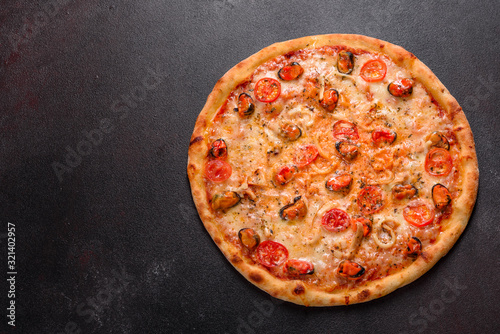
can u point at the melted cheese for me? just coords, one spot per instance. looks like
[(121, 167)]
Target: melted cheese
[(256, 150)]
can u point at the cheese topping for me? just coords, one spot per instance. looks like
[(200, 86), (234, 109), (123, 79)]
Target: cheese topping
[(257, 149)]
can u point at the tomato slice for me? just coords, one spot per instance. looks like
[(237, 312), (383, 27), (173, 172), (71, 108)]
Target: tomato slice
[(371, 199), (335, 220), (218, 170), (418, 214), (438, 162), (267, 90), (295, 267), (345, 130), (305, 155), (383, 136), (373, 70), (285, 174), (271, 253)]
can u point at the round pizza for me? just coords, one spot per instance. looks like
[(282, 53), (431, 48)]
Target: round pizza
[(332, 169)]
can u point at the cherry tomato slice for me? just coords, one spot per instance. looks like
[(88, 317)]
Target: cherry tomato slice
[(218, 170), (305, 155), (267, 90), (271, 253), (290, 72), (371, 199), (418, 214), (335, 220), (345, 130), (438, 162), (373, 70), (219, 149), (383, 136), (285, 175), (296, 268), (330, 99)]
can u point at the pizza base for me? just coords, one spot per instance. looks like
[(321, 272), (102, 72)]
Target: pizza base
[(294, 290)]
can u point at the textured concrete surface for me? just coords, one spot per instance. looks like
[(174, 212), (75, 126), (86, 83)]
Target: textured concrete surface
[(98, 100)]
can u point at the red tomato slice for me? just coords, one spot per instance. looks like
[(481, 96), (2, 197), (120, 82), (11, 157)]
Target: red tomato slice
[(344, 130), (267, 90), (335, 220), (295, 267), (373, 70), (271, 253), (218, 170), (418, 214), (371, 199), (383, 136), (438, 162), (305, 155)]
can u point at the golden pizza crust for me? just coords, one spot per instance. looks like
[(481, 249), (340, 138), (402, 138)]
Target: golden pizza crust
[(295, 290)]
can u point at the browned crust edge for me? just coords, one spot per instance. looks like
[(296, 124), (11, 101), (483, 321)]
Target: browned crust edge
[(293, 290)]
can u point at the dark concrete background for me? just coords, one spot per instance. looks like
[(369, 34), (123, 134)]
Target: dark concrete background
[(111, 243)]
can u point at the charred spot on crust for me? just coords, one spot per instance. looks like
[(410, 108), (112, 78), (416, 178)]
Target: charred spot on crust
[(299, 289), (256, 277), (195, 140), (363, 295), (347, 300), (235, 259), (217, 241), (191, 169)]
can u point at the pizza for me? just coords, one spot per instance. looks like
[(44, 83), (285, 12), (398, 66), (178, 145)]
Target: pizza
[(332, 169)]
